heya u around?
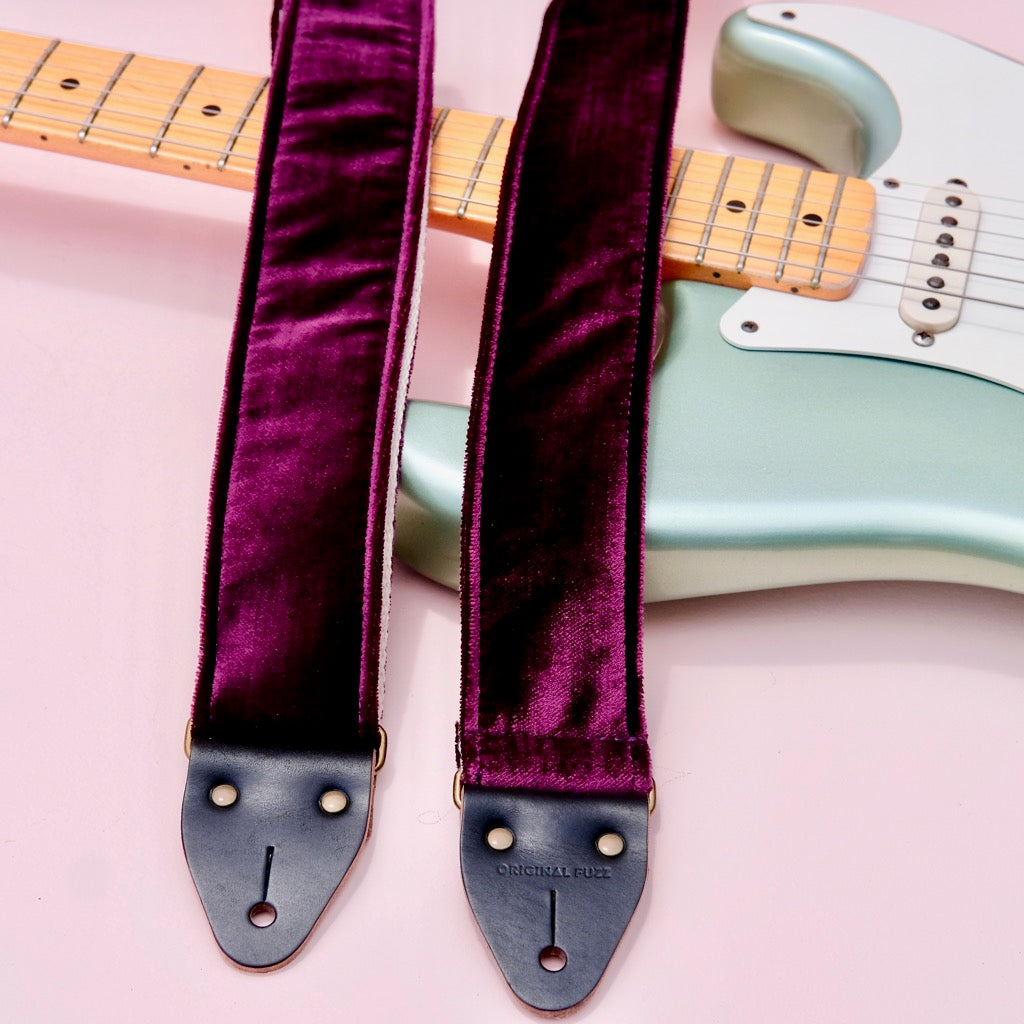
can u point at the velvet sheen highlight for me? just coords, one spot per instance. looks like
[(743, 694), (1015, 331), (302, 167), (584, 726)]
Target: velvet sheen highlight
[(553, 531)]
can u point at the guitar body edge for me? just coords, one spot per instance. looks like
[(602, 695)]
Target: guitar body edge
[(777, 469)]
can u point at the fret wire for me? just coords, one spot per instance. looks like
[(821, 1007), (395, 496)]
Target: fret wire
[(485, 150), (133, 114), (253, 100), (829, 226), (736, 189), (684, 163), (755, 212), (16, 99), (191, 146), (493, 205), (900, 283), (498, 146), (438, 122), (715, 206), (101, 99), (147, 82), (787, 240), (682, 243), (175, 107)]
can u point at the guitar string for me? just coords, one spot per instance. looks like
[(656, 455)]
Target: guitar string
[(673, 218), (158, 119), (253, 81), (734, 189), (43, 78)]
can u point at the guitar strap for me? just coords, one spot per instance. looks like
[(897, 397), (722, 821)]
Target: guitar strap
[(285, 740), (555, 768)]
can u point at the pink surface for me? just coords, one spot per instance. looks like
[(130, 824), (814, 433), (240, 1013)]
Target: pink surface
[(838, 835)]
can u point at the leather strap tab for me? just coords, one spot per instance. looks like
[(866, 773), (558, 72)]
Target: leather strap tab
[(268, 837), (296, 594), (551, 904)]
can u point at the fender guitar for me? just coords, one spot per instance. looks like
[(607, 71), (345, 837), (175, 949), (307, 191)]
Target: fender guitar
[(793, 440)]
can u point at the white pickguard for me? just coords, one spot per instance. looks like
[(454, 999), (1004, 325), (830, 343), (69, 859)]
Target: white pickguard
[(959, 110)]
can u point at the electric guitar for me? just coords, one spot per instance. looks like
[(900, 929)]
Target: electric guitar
[(793, 440)]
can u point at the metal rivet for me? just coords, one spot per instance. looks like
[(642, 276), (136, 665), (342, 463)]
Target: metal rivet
[(891, 183), (936, 282), (924, 339), (500, 838), (333, 801), (611, 844), (223, 795), (949, 222), (954, 201), (957, 181), (945, 239), (749, 326), (931, 304), (940, 259)]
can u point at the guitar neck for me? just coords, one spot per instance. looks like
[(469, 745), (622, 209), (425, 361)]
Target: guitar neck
[(730, 220)]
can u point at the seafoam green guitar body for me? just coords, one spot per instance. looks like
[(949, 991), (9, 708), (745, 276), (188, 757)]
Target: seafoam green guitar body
[(775, 468)]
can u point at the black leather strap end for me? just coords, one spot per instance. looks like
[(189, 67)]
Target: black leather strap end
[(265, 855), (550, 903)]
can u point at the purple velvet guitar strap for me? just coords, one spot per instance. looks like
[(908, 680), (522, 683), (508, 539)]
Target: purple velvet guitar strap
[(285, 737), (553, 749)]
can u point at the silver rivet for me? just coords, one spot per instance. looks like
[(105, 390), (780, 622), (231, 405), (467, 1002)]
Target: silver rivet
[(223, 795), (333, 801), (611, 844), (500, 838), (924, 339)]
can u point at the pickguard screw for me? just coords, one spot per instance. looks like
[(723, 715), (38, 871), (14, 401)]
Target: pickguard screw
[(750, 326), (891, 183), (924, 339)]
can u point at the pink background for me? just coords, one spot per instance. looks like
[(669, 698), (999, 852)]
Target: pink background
[(839, 834)]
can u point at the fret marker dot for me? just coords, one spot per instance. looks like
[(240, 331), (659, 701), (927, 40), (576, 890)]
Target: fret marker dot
[(70, 83), (211, 110), (812, 220), (223, 795), (736, 205), (611, 844), (333, 801), (501, 838)]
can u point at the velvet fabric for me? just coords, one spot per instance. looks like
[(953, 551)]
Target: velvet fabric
[(298, 559), (553, 532)]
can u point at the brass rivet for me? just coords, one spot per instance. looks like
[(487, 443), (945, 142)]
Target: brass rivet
[(223, 795), (611, 844), (500, 838), (333, 801)]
